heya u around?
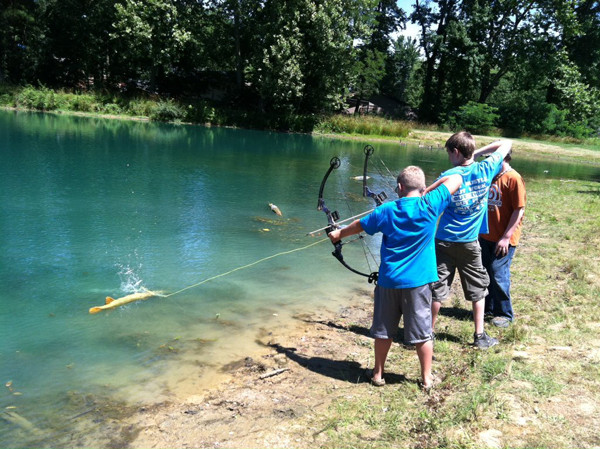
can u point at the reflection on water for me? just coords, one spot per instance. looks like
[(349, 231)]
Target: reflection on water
[(94, 208)]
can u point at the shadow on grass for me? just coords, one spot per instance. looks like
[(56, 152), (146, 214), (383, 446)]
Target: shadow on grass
[(359, 330), (345, 370), (447, 337), (458, 313)]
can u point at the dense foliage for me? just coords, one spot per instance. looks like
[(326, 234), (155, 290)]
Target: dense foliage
[(526, 66)]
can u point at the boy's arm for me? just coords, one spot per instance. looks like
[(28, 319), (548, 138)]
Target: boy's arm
[(353, 228), (452, 183), (503, 243), (502, 146)]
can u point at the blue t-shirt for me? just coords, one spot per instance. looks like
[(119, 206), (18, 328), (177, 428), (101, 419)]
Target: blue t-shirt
[(407, 247), (466, 216)]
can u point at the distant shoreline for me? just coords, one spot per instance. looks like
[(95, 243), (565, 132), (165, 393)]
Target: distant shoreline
[(530, 148)]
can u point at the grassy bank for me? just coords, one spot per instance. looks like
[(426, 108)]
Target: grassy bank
[(195, 111), (147, 107), (540, 387), (587, 152)]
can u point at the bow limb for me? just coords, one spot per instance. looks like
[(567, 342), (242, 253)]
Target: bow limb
[(334, 163), (332, 218), (337, 253)]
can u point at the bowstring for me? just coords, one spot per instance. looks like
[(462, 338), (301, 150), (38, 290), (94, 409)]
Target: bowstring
[(360, 237), (384, 175), (368, 253)]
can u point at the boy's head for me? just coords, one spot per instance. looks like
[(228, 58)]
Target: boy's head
[(463, 142), (411, 178)]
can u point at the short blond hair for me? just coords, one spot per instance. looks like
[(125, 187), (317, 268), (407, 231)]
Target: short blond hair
[(412, 178)]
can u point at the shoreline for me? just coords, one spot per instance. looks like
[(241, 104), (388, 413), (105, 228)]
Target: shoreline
[(267, 399), (262, 400), (434, 139)]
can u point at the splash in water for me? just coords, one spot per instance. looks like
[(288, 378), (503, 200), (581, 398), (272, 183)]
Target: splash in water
[(130, 279)]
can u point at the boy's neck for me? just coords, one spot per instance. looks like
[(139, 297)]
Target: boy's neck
[(465, 162), (412, 193)]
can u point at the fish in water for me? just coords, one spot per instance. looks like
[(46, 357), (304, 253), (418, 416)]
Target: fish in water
[(18, 420), (359, 178), (275, 209), (112, 303)]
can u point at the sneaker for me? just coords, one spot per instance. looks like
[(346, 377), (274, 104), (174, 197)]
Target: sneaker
[(484, 341), (501, 321)]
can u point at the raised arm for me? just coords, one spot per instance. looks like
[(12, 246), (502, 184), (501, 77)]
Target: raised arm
[(452, 183), (503, 146)]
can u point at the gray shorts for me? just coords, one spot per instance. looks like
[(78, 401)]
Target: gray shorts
[(413, 303), (466, 258)]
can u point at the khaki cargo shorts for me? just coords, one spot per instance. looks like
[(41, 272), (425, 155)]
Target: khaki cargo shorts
[(466, 258)]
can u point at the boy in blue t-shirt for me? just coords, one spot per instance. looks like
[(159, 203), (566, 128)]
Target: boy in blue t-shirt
[(408, 265), (456, 241)]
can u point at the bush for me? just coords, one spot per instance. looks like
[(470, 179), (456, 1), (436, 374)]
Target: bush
[(167, 111), (111, 108), (478, 118), (200, 112), (140, 107), (42, 99), (366, 125), (84, 103), (293, 122), (6, 99)]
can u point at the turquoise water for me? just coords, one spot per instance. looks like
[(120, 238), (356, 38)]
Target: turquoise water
[(94, 207)]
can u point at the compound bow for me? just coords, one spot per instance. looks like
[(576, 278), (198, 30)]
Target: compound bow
[(333, 216)]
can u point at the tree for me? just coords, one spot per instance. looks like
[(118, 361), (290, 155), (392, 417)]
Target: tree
[(303, 54), (499, 31), (572, 94), (433, 21), (277, 69), (579, 23), (77, 44), (381, 20), (470, 45), (22, 37), (150, 37), (401, 81), (370, 70), (388, 18)]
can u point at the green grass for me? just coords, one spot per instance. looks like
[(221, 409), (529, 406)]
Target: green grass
[(529, 388), (363, 125)]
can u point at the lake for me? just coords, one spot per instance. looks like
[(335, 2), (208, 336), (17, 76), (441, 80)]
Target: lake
[(94, 208)]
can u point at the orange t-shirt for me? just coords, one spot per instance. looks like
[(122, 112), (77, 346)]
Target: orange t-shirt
[(507, 193)]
